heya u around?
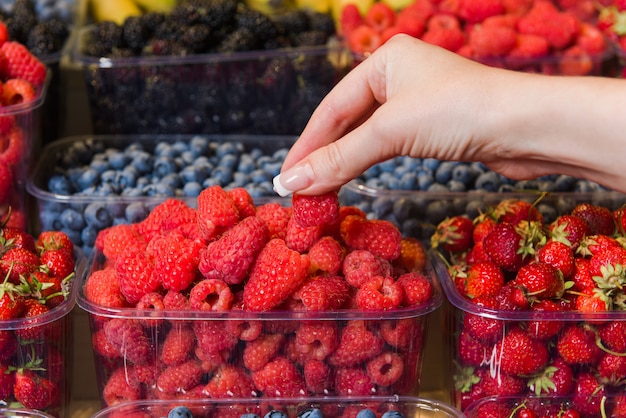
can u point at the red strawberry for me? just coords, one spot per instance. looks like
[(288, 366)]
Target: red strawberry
[(453, 234), (356, 344), (577, 345), (590, 39), (521, 355), (556, 379), (500, 384), (324, 293), (22, 64), (16, 262), (619, 407), (260, 351), (58, 263), (484, 278), (380, 237), (599, 219), (612, 369), (34, 391), (588, 394), (513, 211), (230, 381), (54, 240), (412, 19), (529, 47), (277, 273), (481, 327), (216, 212), (471, 351), (175, 259), (540, 280), (32, 310), (558, 255), (502, 245), (11, 304), (544, 329), (7, 382), (544, 19), (281, 378), (613, 336), (380, 16), (179, 378), (231, 256)]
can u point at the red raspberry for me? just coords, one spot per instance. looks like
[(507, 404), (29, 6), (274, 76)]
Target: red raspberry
[(231, 256), (178, 345), (179, 378), (120, 238), (349, 19), (277, 273), (103, 347), (102, 288), (379, 293), (216, 211), (128, 337), (360, 266), (404, 334), (276, 218), (529, 46), (121, 387), (175, 301), (302, 238), (13, 145), (412, 19), (317, 340), (324, 293), (166, 216), (6, 183), (412, 256), (473, 11), (364, 39), (353, 382), (380, 237), (243, 200), (380, 16), (492, 41), (326, 255), (136, 274), (416, 289), (210, 295), (230, 381), (213, 337), (4, 33), (385, 369), (444, 30), (16, 91), (257, 353), (543, 19), (176, 260), (356, 345), (280, 377), (318, 376), (22, 64)]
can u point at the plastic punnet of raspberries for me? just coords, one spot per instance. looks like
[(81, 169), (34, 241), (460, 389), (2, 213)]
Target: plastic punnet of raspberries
[(37, 278), (540, 304), (308, 300)]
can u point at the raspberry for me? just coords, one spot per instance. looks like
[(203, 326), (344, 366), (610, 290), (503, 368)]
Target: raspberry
[(473, 11), (120, 388), (360, 266), (316, 340), (280, 378), (492, 41), (179, 378), (412, 256), (212, 337), (259, 352), (276, 218), (364, 39), (404, 334), (324, 293), (353, 382), (277, 273), (103, 347), (412, 19), (22, 64), (210, 295), (178, 345), (317, 376), (17, 91), (379, 293), (543, 19), (152, 301), (216, 211), (230, 381), (175, 301), (136, 274), (128, 337), (12, 147), (349, 19), (103, 289), (385, 369), (380, 16), (315, 210), (231, 256), (444, 30), (356, 345), (380, 237), (243, 201), (529, 46), (301, 238), (166, 216), (176, 260), (416, 289), (120, 238), (4, 33), (326, 255)]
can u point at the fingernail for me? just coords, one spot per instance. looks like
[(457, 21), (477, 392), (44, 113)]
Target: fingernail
[(292, 180)]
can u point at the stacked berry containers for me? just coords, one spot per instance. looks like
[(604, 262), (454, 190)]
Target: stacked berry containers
[(249, 314), (330, 407), (22, 412), (246, 76), (548, 327), (36, 346), (507, 406), (85, 184)]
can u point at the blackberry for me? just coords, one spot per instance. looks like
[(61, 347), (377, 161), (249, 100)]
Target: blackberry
[(134, 33), (151, 21), (164, 47), (197, 38), (242, 39), (41, 41), (310, 38), (108, 35), (258, 23), (214, 13), (322, 22), (168, 30), (277, 43), (291, 22)]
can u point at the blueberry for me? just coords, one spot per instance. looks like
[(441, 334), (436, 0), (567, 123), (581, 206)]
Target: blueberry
[(425, 179), (172, 180), (179, 147), (239, 179), (393, 414), (382, 206), (366, 413), (372, 172), (136, 212), (250, 415), (72, 219), (259, 176), (437, 211), (388, 166), (275, 414), (132, 192), (488, 181), (60, 185), (401, 170), (50, 220), (180, 412), (431, 163), (404, 208), (408, 181), (210, 181), (411, 163), (393, 184), (142, 161), (375, 183), (272, 169), (118, 159), (437, 187), (164, 165), (88, 236), (412, 227), (192, 189), (456, 186), (199, 145), (100, 165), (229, 161), (192, 173), (443, 173), (227, 148), (311, 413), (464, 174), (97, 215), (164, 149), (88, 178), (246, 164)]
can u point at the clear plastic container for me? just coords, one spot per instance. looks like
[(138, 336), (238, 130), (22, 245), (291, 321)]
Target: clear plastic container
[(22, 413)]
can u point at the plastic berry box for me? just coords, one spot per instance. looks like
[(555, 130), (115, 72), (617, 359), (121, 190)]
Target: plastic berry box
[(558, 406), (410, 407), (22, 413), (554, 344), (36, 355), (252, 92), (226, 342), (102, 180)]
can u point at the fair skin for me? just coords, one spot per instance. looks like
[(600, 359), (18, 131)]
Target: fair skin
[(410, 98)]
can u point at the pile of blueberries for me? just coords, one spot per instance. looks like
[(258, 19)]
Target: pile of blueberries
[(114, 181), (185, 412)]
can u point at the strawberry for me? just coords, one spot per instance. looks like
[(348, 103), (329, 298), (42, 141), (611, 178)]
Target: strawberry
[(477, 11), (32, 310), (528, 47), (588, 394), (598, 218), (380, 16), (543, 19), (279, 377), (231, 256), (540, 280), (472, 351), (613, 336), (356, 345), (379, 293), (54, 240), (484, 278), (544, 329), (482, 328), (364, 39), (514, 211), (500, 384), (216, 212), (612, 369), (230, 381), (502, 246), (22, 64), (412, 19), (591, 39), (260, 351), (453, 234), (577, 345), (11, 304), (619, 407), (34, 391), (324, 293), (521, 355), (7, 382), (58, 263), (558, 255), (380, 237), (16, 262)]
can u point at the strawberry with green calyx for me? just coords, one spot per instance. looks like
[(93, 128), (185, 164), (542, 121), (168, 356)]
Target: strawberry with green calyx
[(556, 379), (453, 234), (569, 230), (540, 280), (11, 302), (599, 219)]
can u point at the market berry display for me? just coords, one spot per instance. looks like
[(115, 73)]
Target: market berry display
[(322, 268), (538, 306)]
